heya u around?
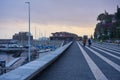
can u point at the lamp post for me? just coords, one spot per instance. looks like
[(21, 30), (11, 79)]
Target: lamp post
[(29, 30)]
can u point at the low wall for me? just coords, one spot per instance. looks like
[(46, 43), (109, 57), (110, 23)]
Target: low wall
[(29, 70)]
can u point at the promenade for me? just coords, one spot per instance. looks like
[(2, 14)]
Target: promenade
[(98, 62)]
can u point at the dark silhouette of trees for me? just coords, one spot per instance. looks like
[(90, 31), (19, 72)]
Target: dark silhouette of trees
[(101, 17), (108, 26)]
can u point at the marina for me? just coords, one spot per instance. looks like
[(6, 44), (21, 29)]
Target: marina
[(16, 54)]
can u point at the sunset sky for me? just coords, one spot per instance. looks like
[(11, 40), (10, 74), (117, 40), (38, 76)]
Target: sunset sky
[(48, 16)]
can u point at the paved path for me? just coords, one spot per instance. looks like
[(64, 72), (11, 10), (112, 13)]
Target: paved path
[(85, 63)]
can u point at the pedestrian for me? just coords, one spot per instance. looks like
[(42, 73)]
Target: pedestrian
[(101, 41), (89, 42), (84, 42)]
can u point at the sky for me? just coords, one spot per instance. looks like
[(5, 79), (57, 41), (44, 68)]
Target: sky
[(49, 16)]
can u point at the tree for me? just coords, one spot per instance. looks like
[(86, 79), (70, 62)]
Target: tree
[(101, 17)]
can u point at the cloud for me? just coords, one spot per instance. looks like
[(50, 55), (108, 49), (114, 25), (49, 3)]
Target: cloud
[(65, 14), (68, 12), (62, 12)]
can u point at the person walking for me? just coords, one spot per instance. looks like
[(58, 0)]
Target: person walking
[(84, 42), (89, 42), (101, 41)]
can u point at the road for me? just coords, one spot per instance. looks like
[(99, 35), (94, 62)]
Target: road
[(98, 62)]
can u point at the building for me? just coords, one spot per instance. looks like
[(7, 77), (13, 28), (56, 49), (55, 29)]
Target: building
[(22, 36), (63, 36), (5, 41)]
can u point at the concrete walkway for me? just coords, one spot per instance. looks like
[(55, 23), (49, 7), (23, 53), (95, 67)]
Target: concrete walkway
[(70, 66)]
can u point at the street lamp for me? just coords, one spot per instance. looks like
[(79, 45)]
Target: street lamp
[(29, 30)]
